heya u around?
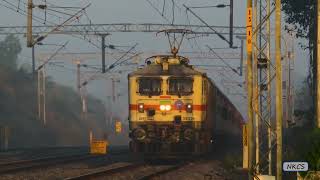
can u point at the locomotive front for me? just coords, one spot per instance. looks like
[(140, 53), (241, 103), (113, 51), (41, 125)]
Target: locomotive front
[(166, 106)]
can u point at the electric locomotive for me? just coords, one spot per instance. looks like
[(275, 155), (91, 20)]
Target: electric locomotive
[(175, 109)]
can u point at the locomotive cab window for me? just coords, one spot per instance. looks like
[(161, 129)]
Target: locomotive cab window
[(149, 86), (180, 86)]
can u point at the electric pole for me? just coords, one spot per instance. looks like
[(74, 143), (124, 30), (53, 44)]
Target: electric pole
[(79, 88), (113, 90), (255, 89), (231, 24), (84, 102), (279, 109), (241, 56), (249, 89), (78, 77), (29, 24), (33, 61), (318, 64), (287, 85), (39, 94), (42, 94), (262, 81), (103, 46), (268, 94), (103, 51)]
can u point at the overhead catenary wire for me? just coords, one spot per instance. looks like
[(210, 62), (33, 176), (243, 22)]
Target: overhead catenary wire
[(25, 7), (23, 12), (173, 5), (54, 54), (205, 23), (13, 7), (125, 54), (60, 12), (157, 10), (76, 16), (227, 64), (112, 66)]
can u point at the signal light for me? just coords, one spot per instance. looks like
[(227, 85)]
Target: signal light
[(141, 108), (189, 108)]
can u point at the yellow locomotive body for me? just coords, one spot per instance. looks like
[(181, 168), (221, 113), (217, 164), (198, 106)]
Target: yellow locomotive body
[(175, 109)]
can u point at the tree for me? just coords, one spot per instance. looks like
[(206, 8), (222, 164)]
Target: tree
[(302, 16), (9, 50)]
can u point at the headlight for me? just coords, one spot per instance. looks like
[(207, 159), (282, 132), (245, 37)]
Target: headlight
[(141, 108), (165, 107), (189, 108), (162, 107)]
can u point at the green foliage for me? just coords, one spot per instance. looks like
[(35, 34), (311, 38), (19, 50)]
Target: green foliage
[(19, 110), (304, 145), (303, 105), (9, 49), (301, 14), (232, 161), (313, 155)]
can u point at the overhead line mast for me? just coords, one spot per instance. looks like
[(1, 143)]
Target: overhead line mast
[(259, 81)]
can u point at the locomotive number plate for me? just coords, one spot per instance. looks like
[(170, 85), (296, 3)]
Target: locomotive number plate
[(150, 118), (146, 118), (187, 118), (142, 118)]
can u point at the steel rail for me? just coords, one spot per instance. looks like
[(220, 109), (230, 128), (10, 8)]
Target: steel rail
[(16, 166), (164, 171), (107, 172), (27, 156)]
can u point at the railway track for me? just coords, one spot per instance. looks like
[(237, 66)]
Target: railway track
[(25, 154), (164, 171), (107, 172), (22, 165), (41, 162), (130, 168)]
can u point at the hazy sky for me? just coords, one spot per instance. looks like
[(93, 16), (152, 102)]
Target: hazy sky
[(139, 11)]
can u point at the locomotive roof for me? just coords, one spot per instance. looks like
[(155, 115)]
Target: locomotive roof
[(174, 69)]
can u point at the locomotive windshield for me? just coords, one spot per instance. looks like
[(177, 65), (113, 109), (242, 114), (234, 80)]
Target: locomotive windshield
[(150, 86), (180, 86)]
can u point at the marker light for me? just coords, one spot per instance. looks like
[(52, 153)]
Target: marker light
[(168, 107), (141, 108), (189, 108), (162, 107)]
